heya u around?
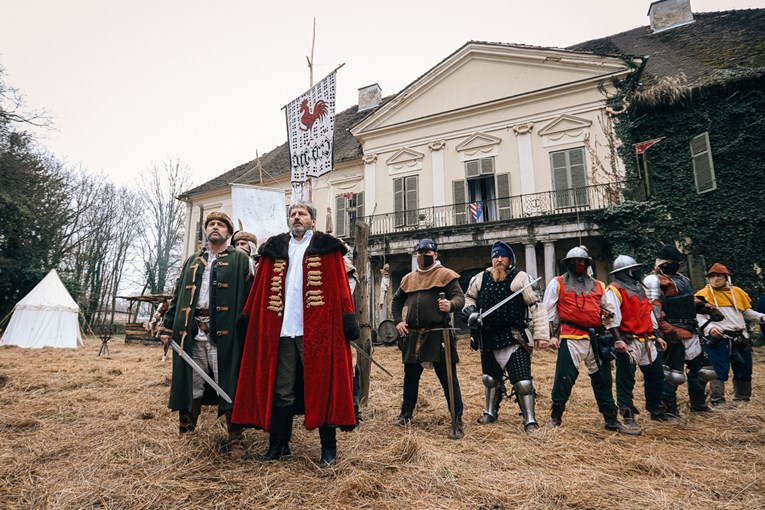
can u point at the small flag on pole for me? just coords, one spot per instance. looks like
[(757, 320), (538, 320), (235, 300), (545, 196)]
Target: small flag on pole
[(641, 147), (476, 208)]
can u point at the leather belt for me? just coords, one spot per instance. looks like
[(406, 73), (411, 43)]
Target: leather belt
[(202, 312)]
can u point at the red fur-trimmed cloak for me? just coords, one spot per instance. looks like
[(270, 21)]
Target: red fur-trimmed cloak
[(328, 319)]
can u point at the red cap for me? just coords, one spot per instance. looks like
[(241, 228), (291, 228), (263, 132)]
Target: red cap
[(718, 269)]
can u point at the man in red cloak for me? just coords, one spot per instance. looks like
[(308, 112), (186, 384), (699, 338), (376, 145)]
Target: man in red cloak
[(297, 356)]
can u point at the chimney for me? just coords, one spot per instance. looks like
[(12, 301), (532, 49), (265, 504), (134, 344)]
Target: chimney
[(369, 97), (666, 14)]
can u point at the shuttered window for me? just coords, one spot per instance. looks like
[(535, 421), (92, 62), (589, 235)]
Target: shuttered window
[(479, 167), (348, 207), (504, 204), (405, 200), (569, 177), (703, 168), (460, 205)]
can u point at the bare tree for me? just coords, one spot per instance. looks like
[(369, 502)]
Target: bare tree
[(162, 235)]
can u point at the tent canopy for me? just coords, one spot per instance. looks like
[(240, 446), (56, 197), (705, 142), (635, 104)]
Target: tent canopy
[(46, 317)]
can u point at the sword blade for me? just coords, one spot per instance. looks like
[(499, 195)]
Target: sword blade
[(508, 298), (368, 356), (193, 364)]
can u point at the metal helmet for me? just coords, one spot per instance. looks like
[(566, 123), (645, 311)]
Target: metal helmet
[(624, 263), (578, 252)]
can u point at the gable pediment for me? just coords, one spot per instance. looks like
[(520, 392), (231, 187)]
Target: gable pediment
[(478, 142), (568, 124), (403, 156), (481, 74)]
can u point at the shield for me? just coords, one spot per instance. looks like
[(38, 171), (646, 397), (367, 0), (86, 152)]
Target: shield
[(387, 332)]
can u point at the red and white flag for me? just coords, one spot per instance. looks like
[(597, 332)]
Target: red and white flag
[(310, 130), (641, 147)]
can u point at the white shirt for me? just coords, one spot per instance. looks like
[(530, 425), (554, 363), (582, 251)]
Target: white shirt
[(292, 324), (204, 295)]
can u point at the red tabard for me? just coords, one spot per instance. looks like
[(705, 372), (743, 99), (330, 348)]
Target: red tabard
[(636, 314), (328, 364), (583, 310)]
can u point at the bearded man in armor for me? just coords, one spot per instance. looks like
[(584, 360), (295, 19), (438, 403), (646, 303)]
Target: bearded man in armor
[(576, 328), (502, 337), (676, 307), (635, 329)]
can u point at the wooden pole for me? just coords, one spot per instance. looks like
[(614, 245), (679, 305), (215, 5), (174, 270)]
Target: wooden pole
[(361, 304)]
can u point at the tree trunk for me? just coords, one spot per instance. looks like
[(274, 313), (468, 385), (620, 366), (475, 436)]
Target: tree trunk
[(361, 304)]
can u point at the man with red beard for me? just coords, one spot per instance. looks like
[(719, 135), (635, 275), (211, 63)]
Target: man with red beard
[(504, 339), (296, 355), (573, 308)]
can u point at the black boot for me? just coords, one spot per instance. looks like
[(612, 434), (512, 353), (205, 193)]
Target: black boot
[(402, 419), (328, 436), (742, 390), (672, 412), (698, 399), (281, 433), (628, 419), (186, 422), (556, 414), (612, 423), (196, 410)]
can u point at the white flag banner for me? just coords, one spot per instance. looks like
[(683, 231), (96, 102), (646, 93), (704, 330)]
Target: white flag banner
[(310, 129)]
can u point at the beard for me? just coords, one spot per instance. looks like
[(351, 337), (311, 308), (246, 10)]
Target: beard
[(298, 229), (499, 273)]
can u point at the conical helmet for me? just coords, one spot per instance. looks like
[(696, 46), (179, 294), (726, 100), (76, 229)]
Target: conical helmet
[(579, 252), (623, 263)]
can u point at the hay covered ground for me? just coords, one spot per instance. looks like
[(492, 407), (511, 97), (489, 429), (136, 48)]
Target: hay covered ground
[(79, 431)]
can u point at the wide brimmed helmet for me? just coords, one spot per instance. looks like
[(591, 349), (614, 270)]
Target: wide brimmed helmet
[(579, 252), (624, 263)]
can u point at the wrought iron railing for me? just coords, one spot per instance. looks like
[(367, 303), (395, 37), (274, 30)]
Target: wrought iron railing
[(586, 198)]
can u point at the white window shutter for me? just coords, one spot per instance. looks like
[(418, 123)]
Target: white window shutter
[(360, 205), (341, 218), (703, 167), (504, 204), (398, 200), (472, 168), (460, 207), (487, 166)]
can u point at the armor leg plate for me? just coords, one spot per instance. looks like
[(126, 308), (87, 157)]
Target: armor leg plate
[(526, 396), (490, 411)]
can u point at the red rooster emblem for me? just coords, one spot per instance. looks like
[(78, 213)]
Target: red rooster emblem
[(320, 109)]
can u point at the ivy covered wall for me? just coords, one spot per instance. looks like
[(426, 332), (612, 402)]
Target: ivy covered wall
[(725, 225)]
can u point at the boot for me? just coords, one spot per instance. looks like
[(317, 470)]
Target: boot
[(328, 436), (628, 419), (281, 433), (196, 410), (661, 415), (458, 432), (236, 449), (403, 419), (186, 422), (698, 400), (556, 413), (742, 390), (717, 392), (670, 407), (612, 423)]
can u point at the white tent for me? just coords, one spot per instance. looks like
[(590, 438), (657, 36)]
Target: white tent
[(46, 317)]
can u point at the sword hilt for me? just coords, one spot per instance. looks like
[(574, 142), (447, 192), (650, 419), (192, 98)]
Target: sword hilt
[(444, 315)]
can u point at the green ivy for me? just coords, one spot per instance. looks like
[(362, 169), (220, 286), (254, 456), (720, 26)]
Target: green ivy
[(724, 225)]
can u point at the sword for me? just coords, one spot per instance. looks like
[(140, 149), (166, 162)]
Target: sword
[(453, 432), (198, 370), (480, 315), (368, 356)]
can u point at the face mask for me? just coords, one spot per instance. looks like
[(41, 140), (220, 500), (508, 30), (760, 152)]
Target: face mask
[(670, 267), (427, 261), (577, 267)]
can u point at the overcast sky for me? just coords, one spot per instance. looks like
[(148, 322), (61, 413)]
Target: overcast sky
[(131, 84)]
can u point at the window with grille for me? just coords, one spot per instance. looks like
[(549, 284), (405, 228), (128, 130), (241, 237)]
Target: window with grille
[(405, 200), (569, 178), (703, 168), (479, 167), (348, 207)]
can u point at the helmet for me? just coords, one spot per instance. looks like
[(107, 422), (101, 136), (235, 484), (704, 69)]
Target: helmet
[(623, 263), (579, 252)]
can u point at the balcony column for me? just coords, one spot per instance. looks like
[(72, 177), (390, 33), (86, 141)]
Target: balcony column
[(439, 173), (370, 163), (525, 157), (531, 258), (549, 261)]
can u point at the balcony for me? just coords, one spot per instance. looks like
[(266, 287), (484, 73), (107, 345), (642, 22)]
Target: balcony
[(548, 203)]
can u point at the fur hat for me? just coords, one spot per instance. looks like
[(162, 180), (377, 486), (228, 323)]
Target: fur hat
[(241, 235), (669, 252), (220, 216), (719, 269)]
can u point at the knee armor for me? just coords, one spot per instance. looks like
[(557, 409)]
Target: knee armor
[(674, 377), (492, 396), (525, 394)]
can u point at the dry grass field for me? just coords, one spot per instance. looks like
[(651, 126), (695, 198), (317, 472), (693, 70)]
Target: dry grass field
[(78, 431)]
